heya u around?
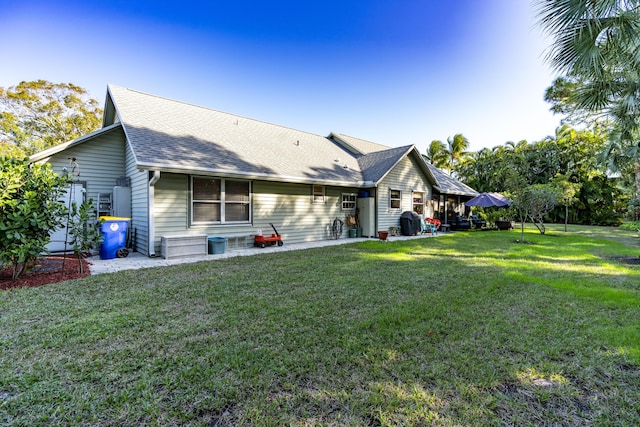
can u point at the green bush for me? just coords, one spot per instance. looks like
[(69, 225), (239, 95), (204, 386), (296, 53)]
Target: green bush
[(29, 209), (633, 209), (84, 230), (631, 225)]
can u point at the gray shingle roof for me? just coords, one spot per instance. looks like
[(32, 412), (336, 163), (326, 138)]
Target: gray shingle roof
[(357, 145), (173, 135), (449, 185), (445, 183), (377, 164)]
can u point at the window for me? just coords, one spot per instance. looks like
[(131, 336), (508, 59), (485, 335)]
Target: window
[(236, 204), (395, 199), (418, 203), (206, 200), (348, 202), (318, 194), (219, 201)]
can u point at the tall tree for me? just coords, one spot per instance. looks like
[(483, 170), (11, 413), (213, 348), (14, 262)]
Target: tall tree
[(567, 191), (457, 150), (571, 153), (597, 45), (562, 95), (540, 199), (516, 185), (437, 154), (39, 114)]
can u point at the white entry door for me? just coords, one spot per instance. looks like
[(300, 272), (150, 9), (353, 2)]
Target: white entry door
[(74, 194)]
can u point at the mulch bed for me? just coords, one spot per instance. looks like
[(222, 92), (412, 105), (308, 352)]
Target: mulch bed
[(47, 270)]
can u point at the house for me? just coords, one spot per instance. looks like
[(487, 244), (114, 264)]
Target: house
[(178, 169)]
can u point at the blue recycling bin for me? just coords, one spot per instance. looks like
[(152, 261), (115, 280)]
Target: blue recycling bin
[(114, 237)]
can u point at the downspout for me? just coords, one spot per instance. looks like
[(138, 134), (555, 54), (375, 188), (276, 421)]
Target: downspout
[(151, 231), (375, 208)]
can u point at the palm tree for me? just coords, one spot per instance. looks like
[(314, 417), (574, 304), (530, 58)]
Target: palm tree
[(437, 154), (597, 43), (457, 150), (516, 147)]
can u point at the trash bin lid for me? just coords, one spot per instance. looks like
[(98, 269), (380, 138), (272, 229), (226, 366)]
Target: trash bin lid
[(114, 218)]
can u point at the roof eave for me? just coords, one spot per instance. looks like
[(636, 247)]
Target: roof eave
[(252, 176), (454, 193)]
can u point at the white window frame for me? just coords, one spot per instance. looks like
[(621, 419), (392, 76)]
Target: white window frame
[(391, 198), (414, 204), (348, 201), (318, 194), (222, 202)]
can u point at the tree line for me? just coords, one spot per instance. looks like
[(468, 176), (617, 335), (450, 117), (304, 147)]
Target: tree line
[(571, 162)]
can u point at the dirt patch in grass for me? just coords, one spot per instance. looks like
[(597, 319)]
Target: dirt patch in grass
[(47, 270), (632, 260)]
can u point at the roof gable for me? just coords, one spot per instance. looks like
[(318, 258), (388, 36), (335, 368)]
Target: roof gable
[(376, 165), (81, 140), (377, 160)]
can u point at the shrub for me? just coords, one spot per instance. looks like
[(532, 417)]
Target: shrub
[(84, 231), (29, 209), (631, 226), (633, 209)]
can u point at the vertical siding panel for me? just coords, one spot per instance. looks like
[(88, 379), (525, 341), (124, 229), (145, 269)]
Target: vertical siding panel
[(171, 207)]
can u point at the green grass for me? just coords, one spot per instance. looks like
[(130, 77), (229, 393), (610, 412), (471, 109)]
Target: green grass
[(465, 329)]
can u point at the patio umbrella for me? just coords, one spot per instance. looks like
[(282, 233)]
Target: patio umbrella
[(487, 200)]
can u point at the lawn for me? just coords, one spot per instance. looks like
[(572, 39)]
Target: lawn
[(470, 328)]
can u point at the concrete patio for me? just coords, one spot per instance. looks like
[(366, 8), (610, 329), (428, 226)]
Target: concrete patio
[(136, 261)]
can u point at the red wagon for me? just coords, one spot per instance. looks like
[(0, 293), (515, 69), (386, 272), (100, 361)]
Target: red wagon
[(262, 241)]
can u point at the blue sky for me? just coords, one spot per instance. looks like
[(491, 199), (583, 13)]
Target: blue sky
[(393, 72)]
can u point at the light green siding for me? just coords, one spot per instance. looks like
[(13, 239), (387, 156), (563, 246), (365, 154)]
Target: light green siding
[(291, 209), (407, 178), (288, 206), (139, 203), (171, 203), (101, 161)]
